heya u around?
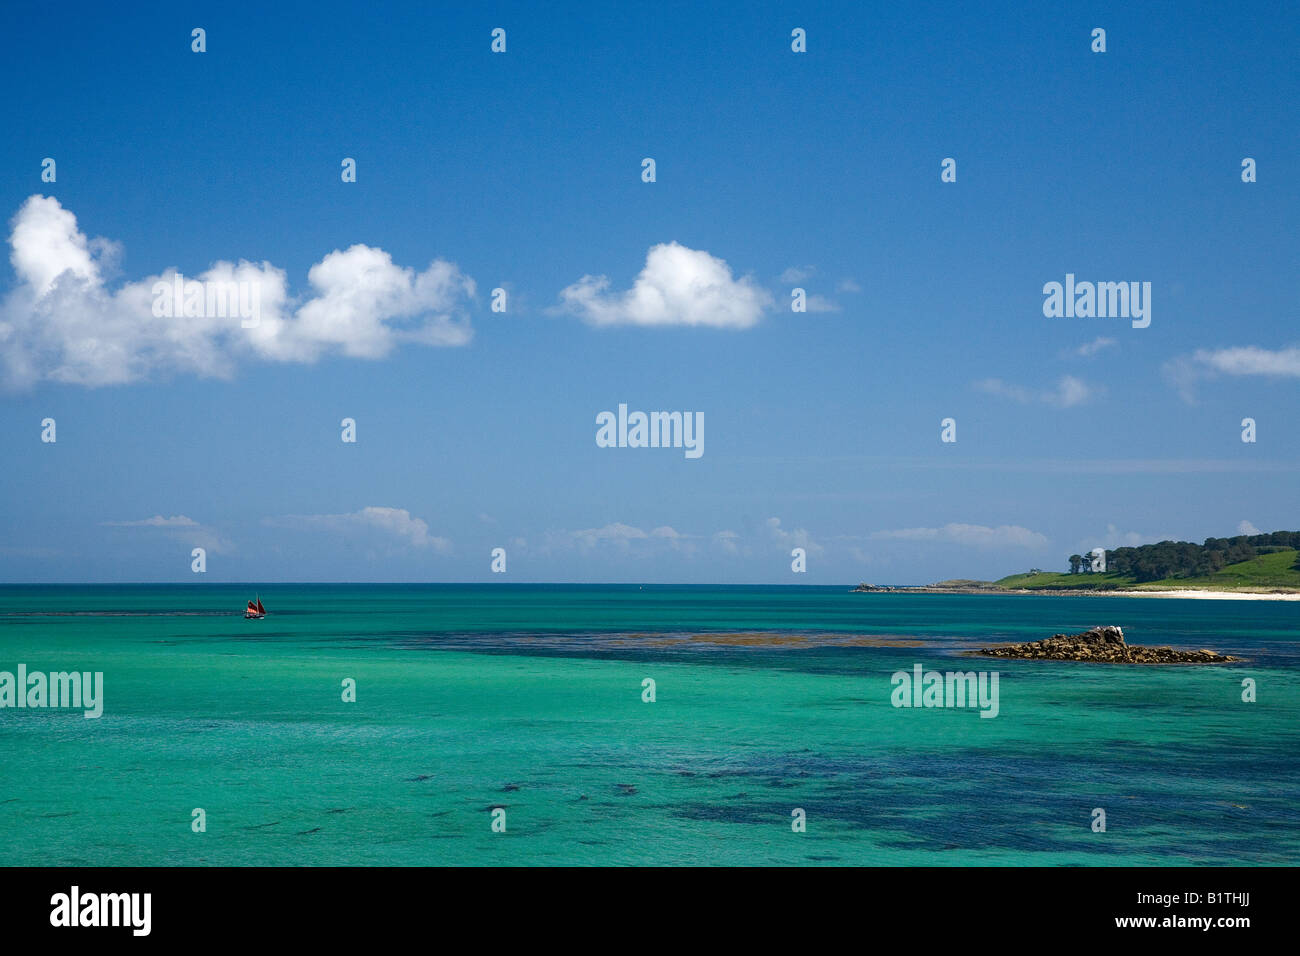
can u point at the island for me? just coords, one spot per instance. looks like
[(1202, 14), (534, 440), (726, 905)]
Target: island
[(1105, 645), (1246, 567)]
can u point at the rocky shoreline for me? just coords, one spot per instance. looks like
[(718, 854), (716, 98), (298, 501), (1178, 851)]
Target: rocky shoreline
[(978, 587), (1103, 645)]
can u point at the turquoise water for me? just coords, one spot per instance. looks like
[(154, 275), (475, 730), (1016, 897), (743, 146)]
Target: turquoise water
[(530, 698)]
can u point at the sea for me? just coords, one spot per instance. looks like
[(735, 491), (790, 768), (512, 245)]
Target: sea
[(570, 725)]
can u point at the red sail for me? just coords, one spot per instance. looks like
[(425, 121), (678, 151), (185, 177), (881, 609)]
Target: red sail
[(252, 606), (260, 609)]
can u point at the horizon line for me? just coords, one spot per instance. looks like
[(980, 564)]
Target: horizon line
[(440, 583)]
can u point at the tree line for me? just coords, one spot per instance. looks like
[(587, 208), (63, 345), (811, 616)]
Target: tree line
[(1183, 559)]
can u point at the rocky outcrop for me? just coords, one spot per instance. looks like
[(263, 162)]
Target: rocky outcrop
[(957, 586), (1103, 645)]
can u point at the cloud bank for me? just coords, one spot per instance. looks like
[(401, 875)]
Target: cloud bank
[(1003, 536), (63, 322), (396, 524), (1068, 393), (1186, 371), (181, 528)]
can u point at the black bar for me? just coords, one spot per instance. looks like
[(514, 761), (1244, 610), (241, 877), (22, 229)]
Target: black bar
[(946, 906)]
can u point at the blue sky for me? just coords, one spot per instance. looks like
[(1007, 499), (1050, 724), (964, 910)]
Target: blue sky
[(522, 171)]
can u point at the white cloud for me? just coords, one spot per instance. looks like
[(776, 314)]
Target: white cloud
[(727, 541), (678, 286), (819, 303), (396, 523), (815, 302), (1089, 349), (359, 294), (183, 529), (796, 538), (1247, 528), (1185, 371), (1002, 536), (638, 542), (995, 386), (157, 521), (616, 532), (1114, 538), (634, 541), (62, 322), (46, 244), (1069, 392), (1249, 360), (621, 536)]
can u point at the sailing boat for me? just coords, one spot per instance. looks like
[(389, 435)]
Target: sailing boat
[(255, 611)]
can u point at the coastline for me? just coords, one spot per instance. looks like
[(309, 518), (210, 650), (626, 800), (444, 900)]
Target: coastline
[(1204, 595), (1192, 593)]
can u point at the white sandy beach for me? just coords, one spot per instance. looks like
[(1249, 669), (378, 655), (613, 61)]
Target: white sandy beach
[(1193, 593), (1198, 594)]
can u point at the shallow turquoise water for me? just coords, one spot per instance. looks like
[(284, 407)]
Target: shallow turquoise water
[(529, 698)]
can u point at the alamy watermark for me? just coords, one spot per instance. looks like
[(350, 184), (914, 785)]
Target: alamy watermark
[(652, 430), (1102, 300), (209, 299), (72, 689), (922, 688), (75, 908)]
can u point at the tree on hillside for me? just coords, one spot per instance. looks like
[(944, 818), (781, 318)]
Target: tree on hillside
[(1183, 559), (1075, 561)]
